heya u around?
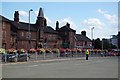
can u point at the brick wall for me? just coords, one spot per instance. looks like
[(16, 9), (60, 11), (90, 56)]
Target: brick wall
[(23, 39), (51, 40), (7, 34), (72, 39)]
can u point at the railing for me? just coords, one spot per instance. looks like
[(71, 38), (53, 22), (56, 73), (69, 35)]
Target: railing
[(44, 56)]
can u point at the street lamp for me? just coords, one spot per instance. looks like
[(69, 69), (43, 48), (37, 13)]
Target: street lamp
[(102, 44), (29, 41), (92, 35)]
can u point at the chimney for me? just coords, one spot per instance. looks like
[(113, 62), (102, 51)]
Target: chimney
[(83, 33), (16, 16), (57, 25), (68, 25)]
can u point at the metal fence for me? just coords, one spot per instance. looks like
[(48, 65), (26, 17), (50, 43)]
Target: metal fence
[(44, 56)]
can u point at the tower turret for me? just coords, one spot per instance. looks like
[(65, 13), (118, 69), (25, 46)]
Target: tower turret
[(41, 23)]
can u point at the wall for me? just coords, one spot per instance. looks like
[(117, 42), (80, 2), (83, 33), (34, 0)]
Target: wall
[(23, 39), (7, 34)]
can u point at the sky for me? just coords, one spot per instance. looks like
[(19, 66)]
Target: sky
[(103, 16)]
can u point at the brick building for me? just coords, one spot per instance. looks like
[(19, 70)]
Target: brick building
[(83, 41), (15, 34)]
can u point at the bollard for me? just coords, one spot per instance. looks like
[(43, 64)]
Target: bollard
[(27, 55), (58, 55), (5, 57), (44, 55), (16, 59), (81, 54), (36, 54)]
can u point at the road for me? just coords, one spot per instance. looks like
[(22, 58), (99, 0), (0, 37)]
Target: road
[(99, 67)]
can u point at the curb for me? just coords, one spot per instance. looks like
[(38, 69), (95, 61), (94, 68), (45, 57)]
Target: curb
[(51, 60)]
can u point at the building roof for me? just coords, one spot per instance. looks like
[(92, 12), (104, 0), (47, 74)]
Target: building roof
[(40, 14), (24, 26), (48, 29), (80, 37), (4, 19), (66, 28)]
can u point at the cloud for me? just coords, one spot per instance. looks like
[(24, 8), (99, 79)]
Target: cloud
[(23, 16), (21, 20), (23, 13), (112, 19), (49, 21), (102, 11), (63, 22), (36, 13), (93, 22)]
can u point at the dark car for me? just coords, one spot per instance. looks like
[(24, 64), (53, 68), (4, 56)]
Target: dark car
[(15, 57), (8, 57), (23, 57)]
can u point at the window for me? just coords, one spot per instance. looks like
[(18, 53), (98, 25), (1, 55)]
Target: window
[(3, 34), (10, 40), (22, 42), (65, 33), (3, 26), (22, 34), (27, 34)]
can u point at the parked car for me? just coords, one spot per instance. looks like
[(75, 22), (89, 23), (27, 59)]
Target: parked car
[(22, 57), (15, 57), (9, 57)]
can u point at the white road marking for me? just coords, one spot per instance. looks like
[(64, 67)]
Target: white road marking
[(33, 65)]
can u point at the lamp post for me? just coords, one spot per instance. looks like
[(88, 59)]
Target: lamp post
[(92, 35), (102, 44), (29, 40)]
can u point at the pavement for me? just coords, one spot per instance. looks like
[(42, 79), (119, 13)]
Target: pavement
[(95, 67)]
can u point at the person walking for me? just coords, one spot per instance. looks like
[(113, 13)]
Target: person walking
[(87, 54)]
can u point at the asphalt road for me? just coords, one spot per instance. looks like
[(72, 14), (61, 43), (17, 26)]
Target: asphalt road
[(100, 67)]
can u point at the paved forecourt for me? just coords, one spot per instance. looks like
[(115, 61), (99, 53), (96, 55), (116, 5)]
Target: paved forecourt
[(99, 67)]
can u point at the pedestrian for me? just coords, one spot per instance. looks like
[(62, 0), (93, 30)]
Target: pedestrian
[(87, 54)]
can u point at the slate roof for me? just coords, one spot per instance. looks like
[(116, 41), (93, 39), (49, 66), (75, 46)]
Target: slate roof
[(82, 38), (65, 28), (40, 14), (48, 29), (4, 19), (24, 26)]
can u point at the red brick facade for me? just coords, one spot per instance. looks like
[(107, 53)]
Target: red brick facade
[(6, 35)]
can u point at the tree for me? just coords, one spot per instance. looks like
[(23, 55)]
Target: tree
[(106, 44), (97, 43)]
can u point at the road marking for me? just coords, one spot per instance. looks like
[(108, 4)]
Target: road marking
[(33, 65)]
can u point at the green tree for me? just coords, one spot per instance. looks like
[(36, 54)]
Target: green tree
[(97, 43), (106, 44)]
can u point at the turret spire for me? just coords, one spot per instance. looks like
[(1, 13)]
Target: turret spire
[(40, 14)]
